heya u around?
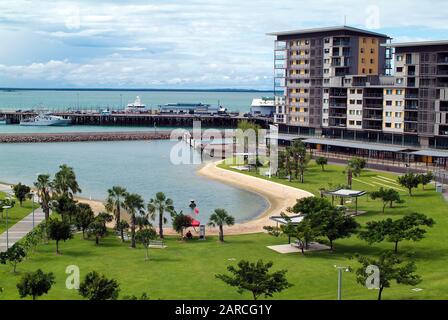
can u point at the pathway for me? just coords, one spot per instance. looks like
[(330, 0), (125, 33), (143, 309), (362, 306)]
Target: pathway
[(21, 228)]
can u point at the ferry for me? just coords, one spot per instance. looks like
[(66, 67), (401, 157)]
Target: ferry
[(45, 120), (192, 108), (136, 107)]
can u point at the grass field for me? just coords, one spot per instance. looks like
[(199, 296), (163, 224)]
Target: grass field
[(15, 214), (186, 270)]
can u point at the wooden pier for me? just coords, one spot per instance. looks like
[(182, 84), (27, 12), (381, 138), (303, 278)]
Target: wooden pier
[(127, 119)]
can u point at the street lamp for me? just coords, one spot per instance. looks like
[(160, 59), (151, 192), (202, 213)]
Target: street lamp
[(32, 196), (7, 232), (340, 270)]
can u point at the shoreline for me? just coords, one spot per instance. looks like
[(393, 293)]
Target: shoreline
[(279, 197)]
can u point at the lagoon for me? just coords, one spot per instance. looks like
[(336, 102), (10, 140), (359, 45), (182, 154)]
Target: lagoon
[(140, 166)]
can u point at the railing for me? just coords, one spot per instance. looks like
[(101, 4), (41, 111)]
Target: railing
[(373, 95), (338, 105), (411, 96), (373, 106)]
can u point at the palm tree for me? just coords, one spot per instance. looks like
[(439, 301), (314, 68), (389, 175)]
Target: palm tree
[(134, 204), (65, 181), (114, 202), (44, 187), (159, 205), (219, 218)]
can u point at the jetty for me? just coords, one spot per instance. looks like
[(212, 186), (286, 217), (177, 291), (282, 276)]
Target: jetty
[(140, 119)]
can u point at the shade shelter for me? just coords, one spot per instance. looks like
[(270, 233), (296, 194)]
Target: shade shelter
[(295, 220), (345, 193)]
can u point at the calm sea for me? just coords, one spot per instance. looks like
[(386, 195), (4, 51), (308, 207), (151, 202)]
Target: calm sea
[(55, 99), (140, 166)]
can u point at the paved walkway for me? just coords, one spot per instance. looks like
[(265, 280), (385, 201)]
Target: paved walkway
[(21, 228)]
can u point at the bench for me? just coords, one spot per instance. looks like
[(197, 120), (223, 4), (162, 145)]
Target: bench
[(159, 244)]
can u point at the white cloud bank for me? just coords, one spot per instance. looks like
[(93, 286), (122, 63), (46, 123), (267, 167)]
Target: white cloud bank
[(220, 43)]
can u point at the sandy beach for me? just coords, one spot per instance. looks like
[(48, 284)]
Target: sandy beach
[(279, 197)]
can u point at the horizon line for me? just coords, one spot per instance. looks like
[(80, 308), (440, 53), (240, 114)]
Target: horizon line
[(134, 89)]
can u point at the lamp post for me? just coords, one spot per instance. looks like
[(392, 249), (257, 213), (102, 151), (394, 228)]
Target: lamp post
[(7, 232), (340, 270), (33, 195)]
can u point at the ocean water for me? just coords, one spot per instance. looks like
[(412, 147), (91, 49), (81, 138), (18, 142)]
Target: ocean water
[(140, 166), (15, 128), (95, 100)]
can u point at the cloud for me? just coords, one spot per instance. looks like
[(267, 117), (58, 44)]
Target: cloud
[(189, 43)]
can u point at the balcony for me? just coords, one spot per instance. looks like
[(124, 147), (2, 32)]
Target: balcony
[(299, 95), (299, 85), (411, 96), (300, 47), (373, 95), (373, 106), (373, 117), (299, 66), (299, 76), (338, 105), (338, 115)]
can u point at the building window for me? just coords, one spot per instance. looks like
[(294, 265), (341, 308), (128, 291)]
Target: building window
[(397, 114), (399, 80), (372, 61), (389, 91), (352, 101), (359, 91), (362, 50), (352, 91), (363, 70), (372, 50), (351, 122), (388, 125), (326, 50), (358, 101), (399, 58), (359, 123), (399, 69), (327, 40), (388, 103), (370, 71), (398, 126), (398, 103)]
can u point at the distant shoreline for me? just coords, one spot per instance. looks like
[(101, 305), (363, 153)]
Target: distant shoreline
[(138, 90)]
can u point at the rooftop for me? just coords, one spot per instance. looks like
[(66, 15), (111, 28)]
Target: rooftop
[(328, 29), (416, 44)]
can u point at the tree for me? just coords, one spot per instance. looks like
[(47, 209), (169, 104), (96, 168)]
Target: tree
[(84, 217), (144, 236), (310, 205), (181, 222), (143, 296), (322, 161), (21, 192), (121, 227), (391, 268), (356, 165), (300, 158), (59, 230), (65, 181), (409, 181), (44, 187), (115, 202), (255, 277), (332, 223), (65, 206), (220, 218), (98, 287), (304, 234), (97, 229), (35, 284), (288, 163), (14, 255), (395, 231), (6, 203), (387, 196), (425, 178), (134, 204), (244, 126), (104, 218), (158, 206)]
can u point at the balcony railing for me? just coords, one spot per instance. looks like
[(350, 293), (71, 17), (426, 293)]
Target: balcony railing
[(338, 105), (299, 76), (373, 106), (411, 96), (373, 95)]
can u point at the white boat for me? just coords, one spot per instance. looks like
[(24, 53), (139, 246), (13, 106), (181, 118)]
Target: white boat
[(136, 107), (45, 120)]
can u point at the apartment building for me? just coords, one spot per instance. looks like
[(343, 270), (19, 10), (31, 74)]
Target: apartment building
[(344, 82)]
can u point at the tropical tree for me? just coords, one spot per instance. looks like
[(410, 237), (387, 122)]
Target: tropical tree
[(115, 202), (300, 158), (158, 206), (134, 205), (121, 227), (96, 286), (244, 126), (288, 163), (407, 228), (322, 161), (84, 217), (356, 165), (21, 192), (104, 218), (332, 223), (44, 188), (310, 205), (387, 196), (220, 218), (59, 230), (391, 268), (65, 206), (65, 181), (256, 278), (144, 236), (14, 255), (409, 181), (426, 178), (181, 222), (8, 202), (35, 284), (97, 229)]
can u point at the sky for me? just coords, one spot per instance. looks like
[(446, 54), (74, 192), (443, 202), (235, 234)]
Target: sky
[(180, 44)]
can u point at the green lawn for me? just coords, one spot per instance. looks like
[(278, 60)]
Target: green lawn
[(15, 214), (187, 270)]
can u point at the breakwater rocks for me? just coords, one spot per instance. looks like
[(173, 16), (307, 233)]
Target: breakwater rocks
[(82, 136)]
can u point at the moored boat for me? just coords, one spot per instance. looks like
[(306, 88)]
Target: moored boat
[(45, 120)]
